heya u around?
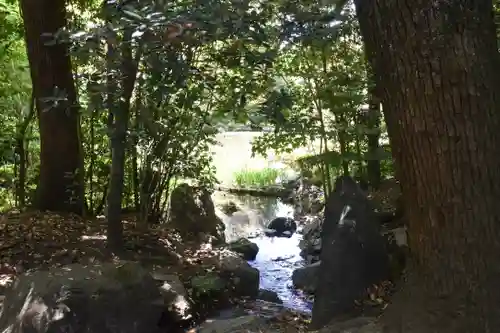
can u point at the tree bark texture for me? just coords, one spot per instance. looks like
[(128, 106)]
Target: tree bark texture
[(438, 66), (60, 187)]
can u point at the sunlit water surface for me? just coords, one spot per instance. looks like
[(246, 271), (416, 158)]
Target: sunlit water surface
[(277, 257)]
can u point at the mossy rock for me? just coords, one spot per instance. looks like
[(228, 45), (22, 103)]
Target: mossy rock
[(210, 283), (246, 248)]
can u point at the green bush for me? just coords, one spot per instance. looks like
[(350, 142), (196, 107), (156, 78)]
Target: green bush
[(259, 178)]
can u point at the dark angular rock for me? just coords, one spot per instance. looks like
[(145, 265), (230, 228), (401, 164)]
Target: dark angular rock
[(353, 255), (269, 296), (281, 227)]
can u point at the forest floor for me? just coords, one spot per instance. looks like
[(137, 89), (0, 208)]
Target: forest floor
[(38, 240)]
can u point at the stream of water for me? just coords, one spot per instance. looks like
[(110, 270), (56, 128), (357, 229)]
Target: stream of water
[(277, 257)]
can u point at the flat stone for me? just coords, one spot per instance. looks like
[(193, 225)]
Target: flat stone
[(355, 325), (248, 324)]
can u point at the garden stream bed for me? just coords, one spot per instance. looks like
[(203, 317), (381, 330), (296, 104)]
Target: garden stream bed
[(277, 257)]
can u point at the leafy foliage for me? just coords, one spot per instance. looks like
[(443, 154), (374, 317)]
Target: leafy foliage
[(17, 131), (179, 72)]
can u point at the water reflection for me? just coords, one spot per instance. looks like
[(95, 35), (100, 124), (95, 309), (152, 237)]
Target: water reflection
[(276, 260), (268, 208)]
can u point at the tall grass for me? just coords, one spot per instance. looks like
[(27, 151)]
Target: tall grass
[(256, 178)]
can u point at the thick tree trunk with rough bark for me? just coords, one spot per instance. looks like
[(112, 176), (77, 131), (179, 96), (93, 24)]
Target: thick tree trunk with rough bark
[(438, 66), (60, 187)]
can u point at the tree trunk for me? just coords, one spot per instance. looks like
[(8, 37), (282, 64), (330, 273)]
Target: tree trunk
[(134, 154), (60, 188), (21, 151), (135, 177), (343, 143), (373, 137), (437, 64), (121, 115)]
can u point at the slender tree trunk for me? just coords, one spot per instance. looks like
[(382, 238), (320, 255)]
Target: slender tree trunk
[(121, 115), (373, 121), (92, 159), (60, 187), (343, 142), (438, 66), (135, 177), (21, 184), (135, 155), (21, 152)]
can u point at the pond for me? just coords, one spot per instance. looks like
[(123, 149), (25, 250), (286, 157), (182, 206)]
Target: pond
[(277, 257)]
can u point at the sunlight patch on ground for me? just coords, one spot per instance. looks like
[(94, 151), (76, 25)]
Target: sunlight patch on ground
[(94, 237)]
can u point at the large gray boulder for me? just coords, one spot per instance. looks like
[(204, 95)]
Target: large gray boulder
[(192, 213), (102, 298)]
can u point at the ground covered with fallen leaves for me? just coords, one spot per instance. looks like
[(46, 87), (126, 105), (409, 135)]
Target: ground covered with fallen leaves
[(41, 240), (37, 240)]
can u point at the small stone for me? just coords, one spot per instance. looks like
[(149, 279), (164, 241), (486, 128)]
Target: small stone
[(269, 296), (229, 208)]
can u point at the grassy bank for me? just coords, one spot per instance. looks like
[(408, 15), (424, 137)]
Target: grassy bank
[(256, 178)]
